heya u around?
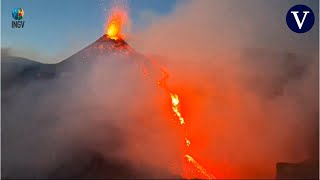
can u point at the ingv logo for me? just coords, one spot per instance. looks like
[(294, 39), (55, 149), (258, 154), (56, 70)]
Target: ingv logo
[(300, 18), (17, 14)]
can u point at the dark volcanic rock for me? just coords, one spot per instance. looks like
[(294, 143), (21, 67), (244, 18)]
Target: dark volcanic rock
[(308, 169)]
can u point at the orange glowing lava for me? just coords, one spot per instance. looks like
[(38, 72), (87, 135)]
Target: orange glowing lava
[(175, 102), (200, 169), (188, 142), (117, 19), (175, 107)]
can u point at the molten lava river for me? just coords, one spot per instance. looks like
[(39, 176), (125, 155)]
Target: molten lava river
[(192, 169)]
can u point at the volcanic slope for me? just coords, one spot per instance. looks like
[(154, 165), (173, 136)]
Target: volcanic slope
[(34, 95)]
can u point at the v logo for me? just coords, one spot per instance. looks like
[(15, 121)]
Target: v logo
[(299, 23)]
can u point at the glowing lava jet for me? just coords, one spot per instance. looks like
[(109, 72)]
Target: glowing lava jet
[(117, 19)]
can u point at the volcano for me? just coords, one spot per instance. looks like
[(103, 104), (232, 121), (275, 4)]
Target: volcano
[(26, 87), (105, 46)]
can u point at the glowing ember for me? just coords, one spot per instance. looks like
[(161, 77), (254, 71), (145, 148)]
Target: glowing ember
[(117, 19)]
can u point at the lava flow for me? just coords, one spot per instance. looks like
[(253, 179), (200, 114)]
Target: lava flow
[(113, 31), (175, 103), (176, 110)]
